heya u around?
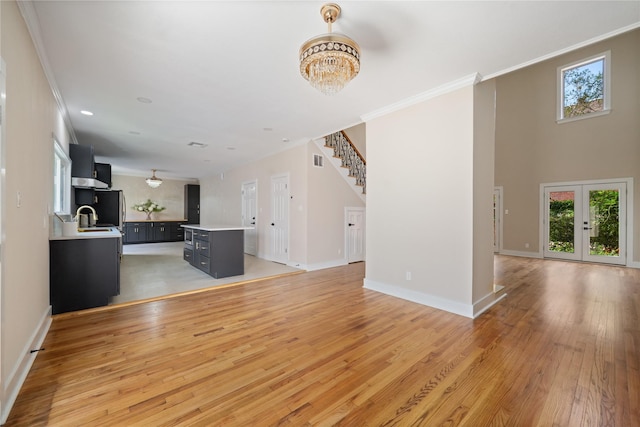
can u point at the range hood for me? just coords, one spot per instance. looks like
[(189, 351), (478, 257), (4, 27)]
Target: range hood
[(88, 183)]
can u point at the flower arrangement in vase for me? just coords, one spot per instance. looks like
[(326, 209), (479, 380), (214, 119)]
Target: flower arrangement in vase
[(148, 207)]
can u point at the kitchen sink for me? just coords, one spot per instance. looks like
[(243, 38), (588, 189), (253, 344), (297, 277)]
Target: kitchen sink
[(93, 229)]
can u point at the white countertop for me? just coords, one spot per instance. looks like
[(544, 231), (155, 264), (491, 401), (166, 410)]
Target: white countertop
[(215, 227), (57, 234)]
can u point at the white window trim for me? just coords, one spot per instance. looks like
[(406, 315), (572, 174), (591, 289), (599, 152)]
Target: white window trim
[(65, 184), (607, 87)]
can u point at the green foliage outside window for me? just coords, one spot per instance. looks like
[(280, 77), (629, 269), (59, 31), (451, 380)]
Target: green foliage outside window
[(583, 89), (604, 235)]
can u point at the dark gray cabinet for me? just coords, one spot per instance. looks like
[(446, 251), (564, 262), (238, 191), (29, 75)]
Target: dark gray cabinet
[(192, 203), (103, 173), (136, 232), (176, 231), (84, 273), (217, 253), (153, 232), (82, 161), (159, 231)]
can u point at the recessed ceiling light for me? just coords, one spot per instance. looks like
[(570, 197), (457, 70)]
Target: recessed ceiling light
[(231, 148), (267, 129), (133, 132), (86, 113), (144, 100)]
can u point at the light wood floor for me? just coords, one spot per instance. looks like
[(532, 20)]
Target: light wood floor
[(563, 348)]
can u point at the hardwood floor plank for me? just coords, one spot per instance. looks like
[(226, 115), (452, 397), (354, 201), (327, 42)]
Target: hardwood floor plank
[(317, 349)]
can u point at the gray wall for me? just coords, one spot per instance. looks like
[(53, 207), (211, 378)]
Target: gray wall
[(531, 148)]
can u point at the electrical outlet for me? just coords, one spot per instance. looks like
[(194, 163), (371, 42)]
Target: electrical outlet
[(408, 275), (526, 245)]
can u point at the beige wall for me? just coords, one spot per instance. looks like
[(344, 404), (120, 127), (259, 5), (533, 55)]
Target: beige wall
[(328, 194), (483, 178), (31, 118), (170, 194), (358, 135), (531, 148), (316, 214), (420, 202)]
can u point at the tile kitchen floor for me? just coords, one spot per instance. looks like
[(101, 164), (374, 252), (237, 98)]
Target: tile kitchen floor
[(151, 270)]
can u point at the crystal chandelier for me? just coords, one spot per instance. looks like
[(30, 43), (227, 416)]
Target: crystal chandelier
[(329, 61), (153, 182)]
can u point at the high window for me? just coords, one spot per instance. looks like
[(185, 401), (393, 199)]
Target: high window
[(61, 179), (584, 88)]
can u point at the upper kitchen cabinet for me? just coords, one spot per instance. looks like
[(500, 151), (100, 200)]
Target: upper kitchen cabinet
[(103, 173), (192, 203), (82, 161)]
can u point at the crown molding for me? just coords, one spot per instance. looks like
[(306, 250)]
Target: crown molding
[(30, 17), (470, 80), (565, 50)]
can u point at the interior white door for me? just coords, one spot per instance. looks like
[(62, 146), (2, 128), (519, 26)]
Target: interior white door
[(355, 219), (279, 225), (249, 217), (586, 222)]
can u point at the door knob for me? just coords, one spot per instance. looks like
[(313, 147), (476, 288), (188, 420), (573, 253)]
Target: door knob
[(272, 223), (351, 225)]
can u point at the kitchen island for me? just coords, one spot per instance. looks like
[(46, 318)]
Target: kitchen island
[(84, 268), (216, 249)]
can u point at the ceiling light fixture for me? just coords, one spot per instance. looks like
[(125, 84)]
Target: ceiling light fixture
[(153, 182), (86, 112), (329, 61)]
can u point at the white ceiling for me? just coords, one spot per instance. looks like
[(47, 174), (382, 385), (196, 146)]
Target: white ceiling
[(225, 73)]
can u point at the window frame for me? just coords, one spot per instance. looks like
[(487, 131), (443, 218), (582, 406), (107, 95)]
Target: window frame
[(606, 77), (61, 180)]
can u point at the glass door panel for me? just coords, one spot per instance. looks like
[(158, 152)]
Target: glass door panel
[(604, 232), (562, 230)]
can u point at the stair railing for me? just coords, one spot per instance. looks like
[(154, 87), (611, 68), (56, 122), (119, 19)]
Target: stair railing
[(351, 158)]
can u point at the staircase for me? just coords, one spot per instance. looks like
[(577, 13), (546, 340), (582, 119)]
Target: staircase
[(346, 159)]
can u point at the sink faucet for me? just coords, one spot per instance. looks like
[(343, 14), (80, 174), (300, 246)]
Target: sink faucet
[(95, 216)]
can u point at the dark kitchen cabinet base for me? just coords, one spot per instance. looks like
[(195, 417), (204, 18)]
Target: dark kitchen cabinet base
[(153, 232), (84, 273), (217, 253)]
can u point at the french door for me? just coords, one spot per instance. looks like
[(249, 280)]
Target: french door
[(586, 222)]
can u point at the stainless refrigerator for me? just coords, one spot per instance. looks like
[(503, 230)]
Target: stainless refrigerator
[(110, 207)]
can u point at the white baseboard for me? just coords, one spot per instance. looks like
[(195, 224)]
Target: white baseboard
[(454, 307), (19, 372), (521, 254), (327, 264), (486, 302)]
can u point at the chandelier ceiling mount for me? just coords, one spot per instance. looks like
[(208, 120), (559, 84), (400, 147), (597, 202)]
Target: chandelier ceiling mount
[(329, 61)]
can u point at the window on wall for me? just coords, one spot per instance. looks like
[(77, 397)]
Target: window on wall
[(61, 180), (584, 88)]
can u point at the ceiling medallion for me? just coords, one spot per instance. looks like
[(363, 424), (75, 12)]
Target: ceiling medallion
[(329, 61)]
